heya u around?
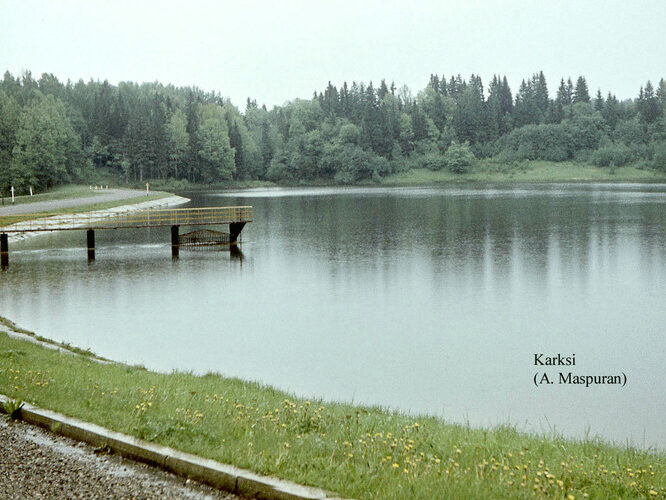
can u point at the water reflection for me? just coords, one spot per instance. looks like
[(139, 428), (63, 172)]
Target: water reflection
[(428, 300)]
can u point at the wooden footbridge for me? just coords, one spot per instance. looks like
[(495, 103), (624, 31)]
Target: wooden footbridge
[(235, 217)]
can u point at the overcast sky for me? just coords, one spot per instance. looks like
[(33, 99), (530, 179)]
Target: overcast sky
[(275, 51)]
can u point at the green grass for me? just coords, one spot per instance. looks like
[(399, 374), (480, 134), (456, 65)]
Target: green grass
[(527, 171), (155, 195), (10, 325), (58, 193), (356, 451)]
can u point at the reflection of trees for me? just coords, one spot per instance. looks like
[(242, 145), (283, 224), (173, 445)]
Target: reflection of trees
[(457, 231)]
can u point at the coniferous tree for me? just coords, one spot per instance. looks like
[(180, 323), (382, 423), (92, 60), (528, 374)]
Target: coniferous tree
[(581, 93), (599, 101), (611, 111), (649, 105), (540, 92), (178, 142)]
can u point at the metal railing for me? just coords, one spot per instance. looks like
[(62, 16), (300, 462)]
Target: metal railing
[(110, 219)]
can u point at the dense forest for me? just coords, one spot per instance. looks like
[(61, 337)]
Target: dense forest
[(53, 132)]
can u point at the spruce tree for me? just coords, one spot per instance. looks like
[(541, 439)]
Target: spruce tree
[(581, 93), (599, 101)]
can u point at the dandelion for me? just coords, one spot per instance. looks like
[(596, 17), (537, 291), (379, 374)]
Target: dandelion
[(395, 466)]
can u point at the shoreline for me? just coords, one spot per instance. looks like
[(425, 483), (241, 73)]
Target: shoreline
[(170, 201), (334, 446)]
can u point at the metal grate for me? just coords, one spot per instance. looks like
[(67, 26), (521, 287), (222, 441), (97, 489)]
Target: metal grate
[(203, 238)]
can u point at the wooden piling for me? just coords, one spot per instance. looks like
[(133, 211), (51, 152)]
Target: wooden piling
[(4, 250), (234, 230), (90, 233), (174, 242)]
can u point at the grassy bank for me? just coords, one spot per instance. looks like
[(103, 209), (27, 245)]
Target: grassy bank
[(154, 195), (90, 207), (183, 186), (357, 451), (528, 171), (57, 193)]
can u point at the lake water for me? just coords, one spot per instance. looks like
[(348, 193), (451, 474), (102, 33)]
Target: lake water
[(428, 300)]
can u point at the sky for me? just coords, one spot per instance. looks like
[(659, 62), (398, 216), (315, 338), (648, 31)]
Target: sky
[(275, 51)]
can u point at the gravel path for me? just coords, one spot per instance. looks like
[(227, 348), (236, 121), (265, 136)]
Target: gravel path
[(50, 206), (37, 464)]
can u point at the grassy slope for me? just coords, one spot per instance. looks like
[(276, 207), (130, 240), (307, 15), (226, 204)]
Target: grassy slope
[(155, 195), (357, 451), (534, 171), (58, 193)]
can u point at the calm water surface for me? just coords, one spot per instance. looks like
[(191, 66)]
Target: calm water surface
[(429, 300)]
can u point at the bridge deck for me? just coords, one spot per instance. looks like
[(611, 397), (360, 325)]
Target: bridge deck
[(118, 220)]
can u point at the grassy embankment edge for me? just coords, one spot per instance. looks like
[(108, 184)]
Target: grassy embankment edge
[(527, 171), (364, 452), (484, 171), (84, 208), (73, 191)]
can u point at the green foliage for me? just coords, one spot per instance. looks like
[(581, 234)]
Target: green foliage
[(459, 157), (659, 156), (550, 142), (615, 155), (351, 163), (12, 407), (585, 127), (349, 134), (51, 132), (630, 132), (434, 161), (214, 147), (178, 141), (43, 154)]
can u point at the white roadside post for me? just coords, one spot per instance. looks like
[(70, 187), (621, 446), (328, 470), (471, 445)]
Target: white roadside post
[(147, 188), (12, 190), (30, 190)]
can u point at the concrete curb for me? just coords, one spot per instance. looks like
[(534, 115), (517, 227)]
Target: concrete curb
[(218, 475)]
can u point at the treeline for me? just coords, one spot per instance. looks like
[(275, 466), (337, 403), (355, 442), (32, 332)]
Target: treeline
[(53, 132)]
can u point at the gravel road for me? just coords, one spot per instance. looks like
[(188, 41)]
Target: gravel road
[(37, 464), (50, 206)]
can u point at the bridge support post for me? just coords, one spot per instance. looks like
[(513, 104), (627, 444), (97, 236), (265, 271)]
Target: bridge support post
[(174, 242), (234, 230), (90, 236), (4, 250)]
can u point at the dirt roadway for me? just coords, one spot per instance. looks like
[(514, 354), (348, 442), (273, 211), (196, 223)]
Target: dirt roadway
[(37, 464), (53, 205)]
